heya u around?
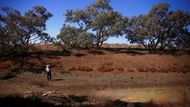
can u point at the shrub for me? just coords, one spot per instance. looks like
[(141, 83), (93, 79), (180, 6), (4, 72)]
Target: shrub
[(41, 84), (119, 68), (7, 75), (73, 69), (105, 68), (84, 68)]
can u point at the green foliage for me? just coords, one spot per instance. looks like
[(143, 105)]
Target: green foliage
[(98, 18), (92, 26), (18, 32), (160, 28), (73, 37)]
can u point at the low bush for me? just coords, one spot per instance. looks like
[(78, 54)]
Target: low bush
[(85, 68), (119, 68), (105, 68), (9, 73)]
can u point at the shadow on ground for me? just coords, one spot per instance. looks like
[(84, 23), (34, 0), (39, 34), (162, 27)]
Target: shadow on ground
[(119, 103), (50, 54), (100, 51), (15, 101), (69, 101), (129, 51)]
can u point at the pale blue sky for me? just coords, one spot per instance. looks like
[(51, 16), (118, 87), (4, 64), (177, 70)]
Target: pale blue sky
[(58, 7)]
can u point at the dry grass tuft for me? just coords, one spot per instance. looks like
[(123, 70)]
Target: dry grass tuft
[(132, 70), (119, 68), (171, 69), (84, 68), (108, 63), (41, 84), (7, 75), (152, 70), (164, 70), (5, 65), (105, 68), (73, 69), (81, 68), (142, 69)]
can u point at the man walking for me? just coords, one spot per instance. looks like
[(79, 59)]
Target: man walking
[(48, 71)]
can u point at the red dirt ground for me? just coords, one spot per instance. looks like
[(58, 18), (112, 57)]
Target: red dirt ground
[(109, 73)]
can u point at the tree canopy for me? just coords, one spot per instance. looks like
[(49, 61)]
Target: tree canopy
[(98, 19), (160, 28), (18, 32), (74, 37)]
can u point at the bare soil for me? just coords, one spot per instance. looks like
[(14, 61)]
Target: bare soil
[(94, 77)]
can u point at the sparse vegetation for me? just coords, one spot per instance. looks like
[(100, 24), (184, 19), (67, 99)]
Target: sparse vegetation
[(160, 28), (97, 22), (152, 71), (7, 75), (19, 32), (41, 84)]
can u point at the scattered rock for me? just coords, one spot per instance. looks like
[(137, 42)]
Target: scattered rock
[(49, 92)]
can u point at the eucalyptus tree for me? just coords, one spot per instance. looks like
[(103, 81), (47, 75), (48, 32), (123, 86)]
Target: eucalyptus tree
[(160, 28), (99, 19), (19, 32), (74, 37)]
